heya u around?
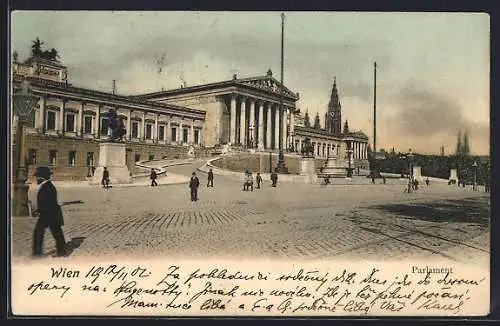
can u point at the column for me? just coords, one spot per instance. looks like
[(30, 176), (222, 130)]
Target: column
[(285, 127), (98, 123), (191, 134), (269, 126), (260, 143), (169, 130), (232, 127), (60, 121), (292, 127), (155, 131), (142, 132), (79, 129), (201, 136), (129, 125), (180, 133), (276, 128), (41, 121), (251, 122), (242, 123)]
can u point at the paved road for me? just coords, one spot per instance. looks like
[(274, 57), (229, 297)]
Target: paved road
[(291, 221)]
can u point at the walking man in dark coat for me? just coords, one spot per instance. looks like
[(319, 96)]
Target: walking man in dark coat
[(49, 214), (105, 178), (210, 179), (274, 179), (194, 183), (153, 177), (258, 179)]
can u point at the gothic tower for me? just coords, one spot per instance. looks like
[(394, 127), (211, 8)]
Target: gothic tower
[(333, 118)]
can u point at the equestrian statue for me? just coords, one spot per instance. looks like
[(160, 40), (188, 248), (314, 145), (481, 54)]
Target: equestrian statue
[(116, 125)]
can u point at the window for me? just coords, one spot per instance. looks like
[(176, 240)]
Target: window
[(51, 120), (135, 130), (52, 157), (72, 158), (90, 158), (70, 122), (161, 132), (149, 131), (137, 157), (151, 157), (104, 126), (31, 157), (196, 136), (174, 134), (184, 135), (87, 125)]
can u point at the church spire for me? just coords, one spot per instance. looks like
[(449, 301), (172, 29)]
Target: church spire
[(333, 118)]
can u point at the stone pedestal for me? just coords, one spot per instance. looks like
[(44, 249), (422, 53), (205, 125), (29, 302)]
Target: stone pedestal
[(453, 175), (335, 168), (307, 166), (113, 157), (20, 200), (417, 173)]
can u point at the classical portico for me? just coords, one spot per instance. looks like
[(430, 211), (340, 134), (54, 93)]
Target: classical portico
[(241, 112)]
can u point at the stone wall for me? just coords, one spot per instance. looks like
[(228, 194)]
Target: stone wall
[(63, 145), (259, 162)]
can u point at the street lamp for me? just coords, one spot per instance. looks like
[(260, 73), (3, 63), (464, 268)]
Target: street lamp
[(474, 186), (23, 102), (349, 157), (410, 174), (251, 128)]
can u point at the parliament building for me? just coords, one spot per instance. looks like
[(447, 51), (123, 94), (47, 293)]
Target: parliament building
[(69, 122)]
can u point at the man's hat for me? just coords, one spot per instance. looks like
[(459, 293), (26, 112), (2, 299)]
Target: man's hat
[(43, 171)]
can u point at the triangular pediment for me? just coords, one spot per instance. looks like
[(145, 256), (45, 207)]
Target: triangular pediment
[(269, 84)]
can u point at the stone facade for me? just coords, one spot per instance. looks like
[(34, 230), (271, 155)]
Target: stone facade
[(243, 112), (69, 122)]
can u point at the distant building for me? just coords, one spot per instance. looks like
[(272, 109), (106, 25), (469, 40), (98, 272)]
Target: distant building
[(332, 140)]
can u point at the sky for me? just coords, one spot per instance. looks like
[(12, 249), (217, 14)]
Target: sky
[(432, 74)]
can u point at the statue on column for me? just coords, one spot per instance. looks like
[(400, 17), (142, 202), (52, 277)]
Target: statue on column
[(307, 149), (116, 125)]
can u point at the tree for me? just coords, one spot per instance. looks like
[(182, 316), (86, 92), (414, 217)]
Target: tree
[(317, 123), (307, 120)]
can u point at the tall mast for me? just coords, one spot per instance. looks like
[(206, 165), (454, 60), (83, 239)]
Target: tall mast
[(374, 108)]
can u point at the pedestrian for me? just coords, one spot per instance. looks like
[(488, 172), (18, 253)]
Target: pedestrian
[(373, 180), (245, 180), (105, 178), (194, 183), (427, 182), (258, 179), (383, 180), (210, 179), (274, 179), (49, 213), (153, 177), (249, 181)]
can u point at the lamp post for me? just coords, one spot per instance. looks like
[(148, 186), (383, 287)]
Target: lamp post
[(251, 129), (23, 102), (410, 174), (474, 186), (349, 157)]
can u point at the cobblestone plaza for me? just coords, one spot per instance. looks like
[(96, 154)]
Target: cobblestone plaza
[(303, 221)]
